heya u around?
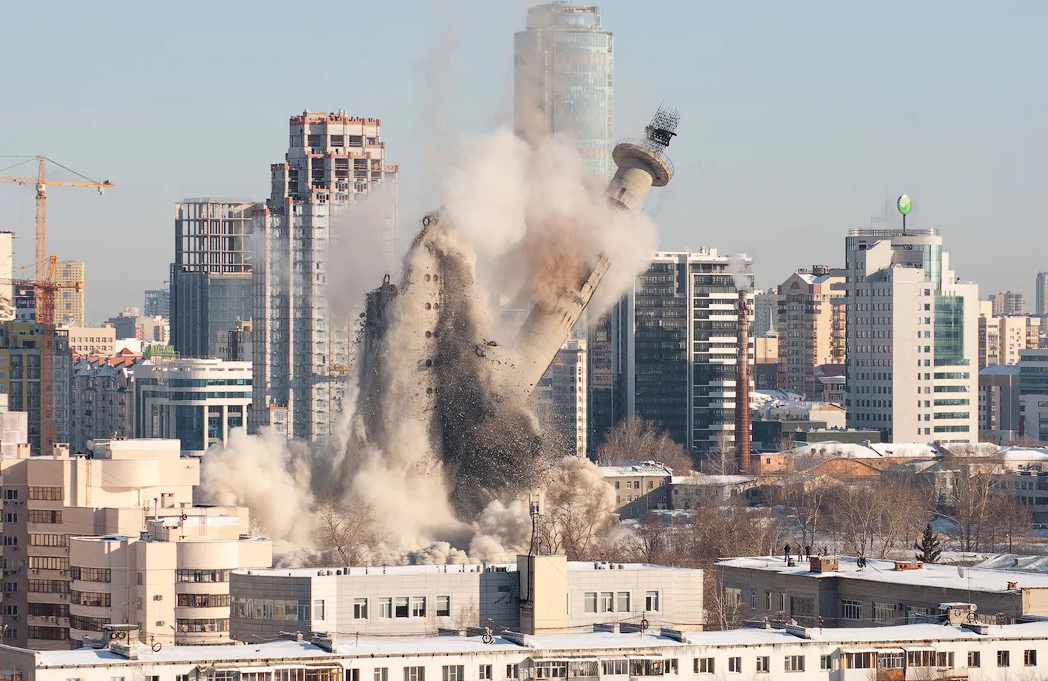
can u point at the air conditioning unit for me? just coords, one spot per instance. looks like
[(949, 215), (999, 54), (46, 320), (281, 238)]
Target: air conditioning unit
[(52, 619), (158, 597), (36, 571), (14, 617), (160, 623), (63, 597)]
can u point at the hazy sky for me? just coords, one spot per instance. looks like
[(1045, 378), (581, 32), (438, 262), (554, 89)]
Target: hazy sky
[(798, 117)]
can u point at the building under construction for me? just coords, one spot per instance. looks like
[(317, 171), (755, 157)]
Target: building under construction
[(301, 352)]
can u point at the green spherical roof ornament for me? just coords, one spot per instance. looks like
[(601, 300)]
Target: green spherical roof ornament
[(905, 204)]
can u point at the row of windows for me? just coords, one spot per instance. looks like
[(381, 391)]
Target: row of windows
[(202, 575), (612, 601), (90, 574), (39, 516), (48, 563), (91, 598), (49, 586), (45, 493), (202, 600)]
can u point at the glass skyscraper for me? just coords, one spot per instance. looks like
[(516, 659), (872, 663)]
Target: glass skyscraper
[(563, 80)]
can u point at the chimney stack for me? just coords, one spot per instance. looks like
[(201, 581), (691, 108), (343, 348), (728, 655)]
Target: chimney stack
[(742, 387)]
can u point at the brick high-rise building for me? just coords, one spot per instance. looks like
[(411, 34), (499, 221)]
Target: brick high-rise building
[(810, 326)]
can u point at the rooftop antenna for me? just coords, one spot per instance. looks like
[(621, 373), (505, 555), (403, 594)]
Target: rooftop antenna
[(662, 129)]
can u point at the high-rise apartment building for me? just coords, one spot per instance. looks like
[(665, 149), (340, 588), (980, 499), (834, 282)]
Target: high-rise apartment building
[(132, 502), (21, 349), (211, 276), (564, 80), (913, 339), (989, 336), (1017, 333), (196, 401), (1041, 294), (69, 298), (157, 303), (669, 348), (7, 273), (811, 324), (563, 389), (301, 352), (1007, 303)]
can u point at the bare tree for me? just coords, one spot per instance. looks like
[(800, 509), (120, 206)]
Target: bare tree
[(578, 511), (345, 532), (721, 460), (804, 502), (904, 509), (637, 439)]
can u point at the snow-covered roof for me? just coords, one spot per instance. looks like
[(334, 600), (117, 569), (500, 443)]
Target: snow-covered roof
[(276, 652), (1024, 454), (395, 570), (711, 479), (1016, 562), (875, 450), (633, 468), (930, 575)]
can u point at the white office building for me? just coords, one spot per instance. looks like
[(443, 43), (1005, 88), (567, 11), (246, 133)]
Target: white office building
[(196, 401), (420, 600), (913, 339), (563, 391)]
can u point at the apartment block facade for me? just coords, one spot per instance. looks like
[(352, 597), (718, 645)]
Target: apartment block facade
[(69, 298), (103, 398), (1007, 303), (563, 390), (811, 327), (913, 339), (1041, 294), (21, 349), (301, 350), (667, 351)]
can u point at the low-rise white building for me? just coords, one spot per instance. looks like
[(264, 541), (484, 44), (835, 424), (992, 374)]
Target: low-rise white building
[(420, 599), (919, 651)]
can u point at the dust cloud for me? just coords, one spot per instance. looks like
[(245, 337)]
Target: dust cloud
[(439, 451)]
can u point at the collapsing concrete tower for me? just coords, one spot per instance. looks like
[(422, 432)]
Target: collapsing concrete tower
[(641, 166), (430, 374)]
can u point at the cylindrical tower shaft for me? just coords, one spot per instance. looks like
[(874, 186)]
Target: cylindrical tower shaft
[(742, 386)]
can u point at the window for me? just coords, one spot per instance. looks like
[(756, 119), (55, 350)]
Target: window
[(318, 609), (202, 575), (512, 671), (735, 665), (858, 660), (401, 609), (763, 664), (704, 665), (1004, 658), (851, 610), (360, 608), (45, 493), (944, 660), (201, 625), (622, 601), (884, 613), (974, 658), (418, 606), (385, 608), (615, 667), (891, 660), (48, 563), (589, 601), (454, 672), (1030, 658), (551, 670), (443, 606), (795, 663), (826, 662), (484, 673), (381, 674), (45, 516), (651, 601), (767, 600), (606, 602), (202, 600), (88, 574), (414, 674)]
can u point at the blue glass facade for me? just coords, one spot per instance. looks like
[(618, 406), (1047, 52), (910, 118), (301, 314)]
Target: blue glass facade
[(564, 81)]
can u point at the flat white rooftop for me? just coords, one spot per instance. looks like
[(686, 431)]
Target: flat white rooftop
[(941, 576), (278, 651)]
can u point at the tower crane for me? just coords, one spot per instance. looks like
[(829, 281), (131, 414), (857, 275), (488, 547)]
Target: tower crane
[(44, 287)]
